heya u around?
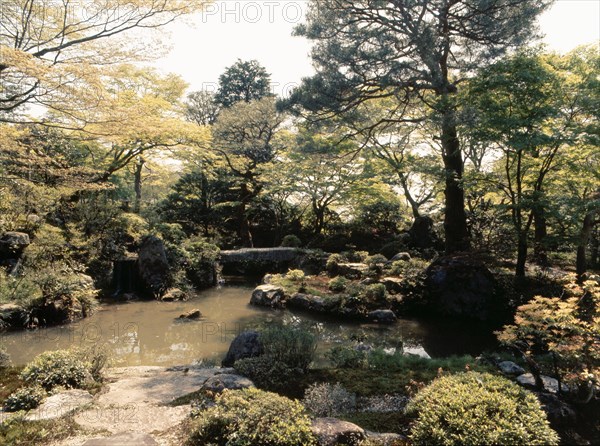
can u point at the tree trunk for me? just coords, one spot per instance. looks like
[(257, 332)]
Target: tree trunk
[(521, 255), (455, 218), (540, 233), (594, 251), (137, 184), (244, 224), (584, 239)]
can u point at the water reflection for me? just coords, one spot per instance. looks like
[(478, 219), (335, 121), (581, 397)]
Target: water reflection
[(149, 333)]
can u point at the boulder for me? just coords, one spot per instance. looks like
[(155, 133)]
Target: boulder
[(226, 381), (12, 316), (60, 404), (331, 432), (13, 243), (401, 256), (369, 281), (153, 267), (192, 314), (510, 368), (312, 303), (351, 270), (550, 384), (268, 296), (461, 286), (174, 294), (559, 412), (392, 284), (245, 345), (382, 316)]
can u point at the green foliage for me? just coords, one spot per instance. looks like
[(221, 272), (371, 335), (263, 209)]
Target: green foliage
[(568, 328), (5, 361), (333, 261), (295, 275), (69, 368), (347, 357), (244, 81), (327, 400), (20, 290), (287, 352), (408, 269), (338, 284), (477, 408), (291, 241), (16, 431), (25, 398), (375, 293), (250, 417), (376, 262)]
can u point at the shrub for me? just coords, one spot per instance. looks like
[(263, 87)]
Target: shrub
[(333, 261), (291, 241), (327, 400), (5, 361), (412, 268), (338, 284), (376, 262), (24, 399), (478, 408), (295, 275), (253, 417), (66, 368), (345, 357), (568, 328), (287, 352), (375, 292)]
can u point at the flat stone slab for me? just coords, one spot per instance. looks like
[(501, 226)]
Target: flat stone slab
[(123, 439), (550, 384), (228, 381), (136, 399), (61, 404)]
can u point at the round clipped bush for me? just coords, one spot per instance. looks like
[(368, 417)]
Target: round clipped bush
[(338, 284), (59, 368), (328, 400), (24, 399), (253, 417), (291, 241), (295, 275), (478, 408)]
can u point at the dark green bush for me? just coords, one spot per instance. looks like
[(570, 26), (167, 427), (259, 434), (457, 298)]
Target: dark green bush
[(375, 292), (287, 352), (338, 284), (478, 408), (24, 399), (69, 368), (252, 417), (345, 357), (291, 241)]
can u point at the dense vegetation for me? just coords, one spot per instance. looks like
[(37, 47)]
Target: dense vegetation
[(433, 130)]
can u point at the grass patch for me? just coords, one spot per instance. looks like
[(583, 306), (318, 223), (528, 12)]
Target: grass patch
[(399, 375), (18, 432)]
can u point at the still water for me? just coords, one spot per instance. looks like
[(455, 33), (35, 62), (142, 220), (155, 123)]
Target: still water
[(150, 333)]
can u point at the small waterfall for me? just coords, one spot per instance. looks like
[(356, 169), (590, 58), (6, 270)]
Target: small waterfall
[(124, 276)]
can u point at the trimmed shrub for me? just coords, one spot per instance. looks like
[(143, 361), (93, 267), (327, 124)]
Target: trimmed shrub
[(253, 417), (291, 241), (59, 368), (338, 284), (333, 261), (376, 262), (5, 361), (344, 357), (295, 275), (327, 400), (478, 408), (287, 352), (375, 292), (24, 399)]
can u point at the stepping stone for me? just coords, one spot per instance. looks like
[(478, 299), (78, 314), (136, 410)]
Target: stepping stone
[(123, 439), (59, 405)]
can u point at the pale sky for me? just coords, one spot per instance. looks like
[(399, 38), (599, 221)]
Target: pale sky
[(261, 30)]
